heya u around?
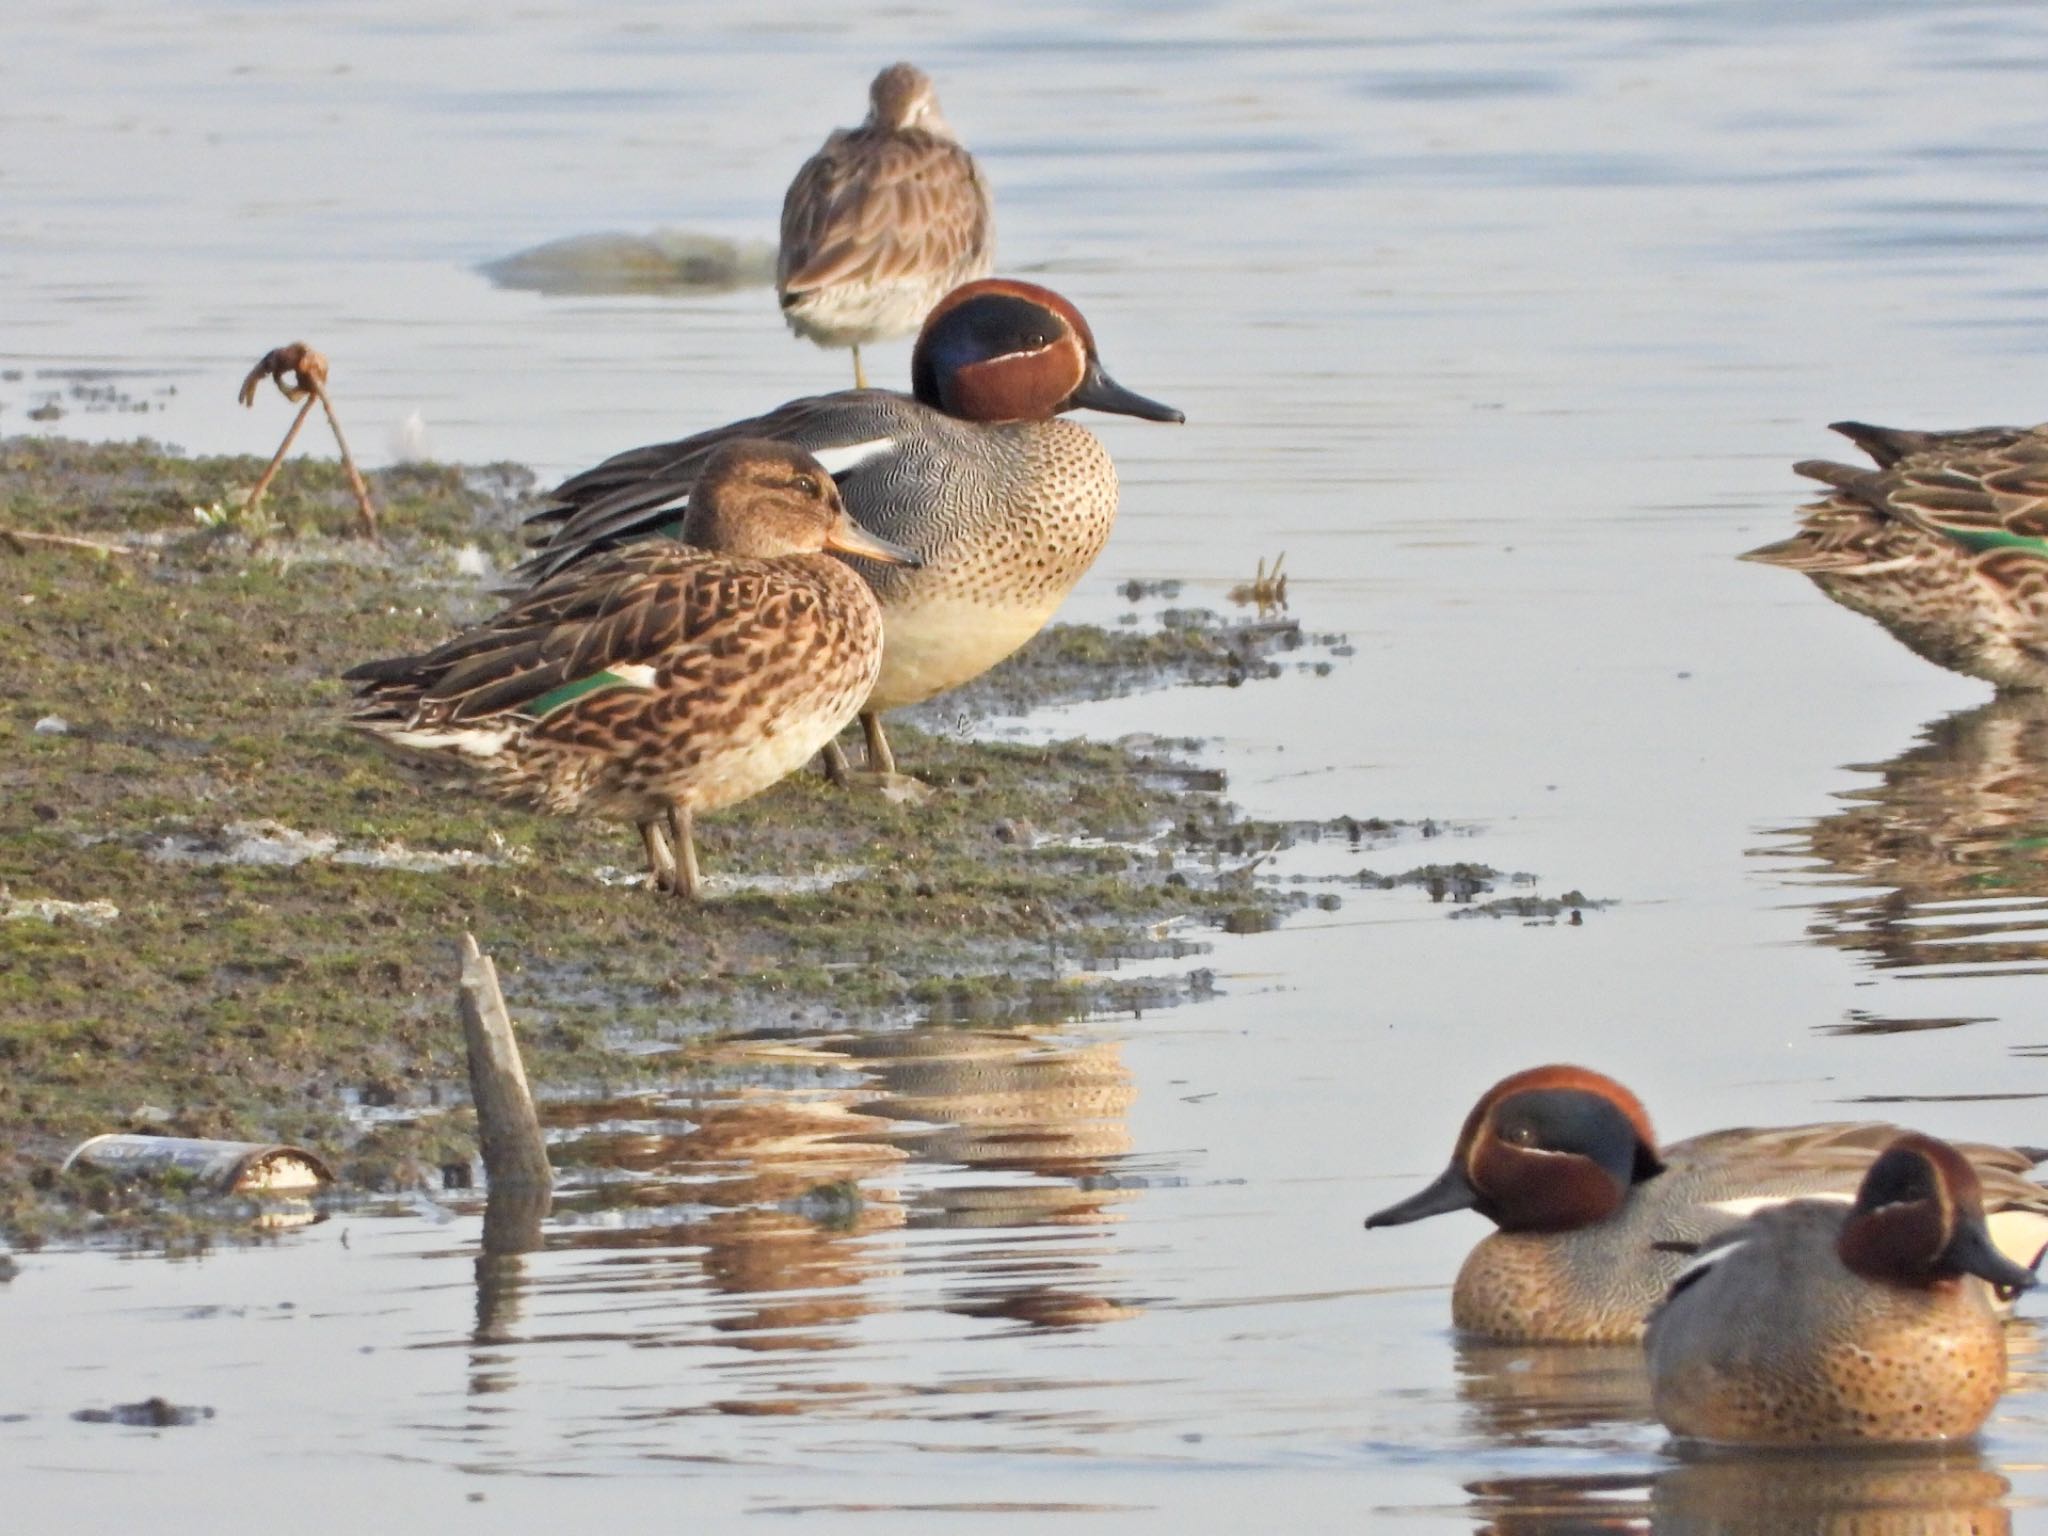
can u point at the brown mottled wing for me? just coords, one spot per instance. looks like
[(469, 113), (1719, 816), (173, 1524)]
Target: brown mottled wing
[(1839, 532), (1990, 480), (874, 205), (1940, 497), (2018, 484), (1897, 445), (1832, 1154), (633, 606), (641, 493)]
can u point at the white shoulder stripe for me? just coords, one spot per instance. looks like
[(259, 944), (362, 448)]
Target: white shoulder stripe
[(1700, 1263), (850, 456), (1748, 1205)]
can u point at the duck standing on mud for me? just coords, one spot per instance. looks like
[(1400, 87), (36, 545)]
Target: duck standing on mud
[(883, 222), (1005, 504), (664, 679)]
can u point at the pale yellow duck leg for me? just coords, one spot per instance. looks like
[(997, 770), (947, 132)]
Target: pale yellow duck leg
[(880, 773), (880, 758), (860, 378), (661, 863), (689, 883)]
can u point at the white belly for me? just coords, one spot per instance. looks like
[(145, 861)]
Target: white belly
[(727, 778), (940, 643)]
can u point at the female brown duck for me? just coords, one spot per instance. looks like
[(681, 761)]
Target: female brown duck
[(662, 679)]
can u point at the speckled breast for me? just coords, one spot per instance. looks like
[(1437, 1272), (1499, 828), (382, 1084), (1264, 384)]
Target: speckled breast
[(1574, 1288), (1008, 519)]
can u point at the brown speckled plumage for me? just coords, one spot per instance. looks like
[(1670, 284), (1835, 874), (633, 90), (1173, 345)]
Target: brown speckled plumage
[(1945, 544), (744, 652), (882, 222), (719, 670)]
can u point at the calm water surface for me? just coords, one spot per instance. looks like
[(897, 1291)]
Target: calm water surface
[(1503, 321)]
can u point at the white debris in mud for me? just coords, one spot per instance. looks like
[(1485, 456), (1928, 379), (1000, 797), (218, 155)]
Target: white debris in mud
[(753, 885), (48, 909), (470, 560), (273, 844), (424, 861), (408, 440), (246, 842), (52, 725)]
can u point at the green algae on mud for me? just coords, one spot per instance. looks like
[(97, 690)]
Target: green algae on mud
[(225, 915)]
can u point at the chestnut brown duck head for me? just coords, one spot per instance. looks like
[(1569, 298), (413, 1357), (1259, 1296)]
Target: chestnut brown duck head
[(1004, 350), (1545, 1150), (1919, 1220)]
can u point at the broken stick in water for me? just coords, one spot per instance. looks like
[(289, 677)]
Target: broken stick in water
[(515, 1154)]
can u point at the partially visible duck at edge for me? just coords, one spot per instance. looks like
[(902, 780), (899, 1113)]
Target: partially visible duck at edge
[(1005, 504), (1816, 1323), (664, 679), (1944, 543), (1564, 1162), (883, 222)]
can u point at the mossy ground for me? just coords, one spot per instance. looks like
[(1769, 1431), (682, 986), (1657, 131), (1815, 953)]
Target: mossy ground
[(196, 679)]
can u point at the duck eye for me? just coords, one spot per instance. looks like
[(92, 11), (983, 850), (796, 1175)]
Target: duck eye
[(1522, 1136), (809, 486)]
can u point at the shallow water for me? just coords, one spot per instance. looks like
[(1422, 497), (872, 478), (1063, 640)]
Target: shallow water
[(1504, 323)]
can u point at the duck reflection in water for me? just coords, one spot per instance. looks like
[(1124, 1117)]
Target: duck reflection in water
[(772, 1186), (1009, 1103), (1949, 850), (1946, 1493), (1529, 1394), (781, 1186)]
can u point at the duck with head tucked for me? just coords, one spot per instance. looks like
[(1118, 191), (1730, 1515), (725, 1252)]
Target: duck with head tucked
[(1945, 544), (1818, 1323), (882, 222), (657, 681), (1005, 503), (1563, 1161)]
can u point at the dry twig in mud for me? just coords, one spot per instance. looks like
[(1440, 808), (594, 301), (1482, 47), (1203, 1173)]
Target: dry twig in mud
[(308, 382), (21, 538), (1267, 589)]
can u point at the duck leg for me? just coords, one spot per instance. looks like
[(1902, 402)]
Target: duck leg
[(880, 774), (860, 377), (689, 884), (661, 862), (880, 758)]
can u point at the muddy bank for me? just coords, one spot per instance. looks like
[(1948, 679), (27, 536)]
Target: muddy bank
[(222, 915)]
